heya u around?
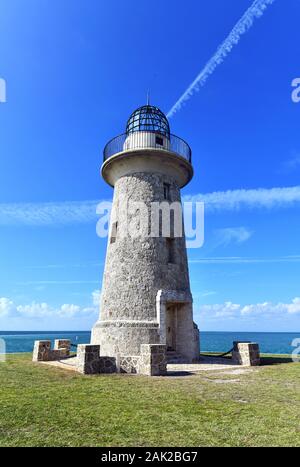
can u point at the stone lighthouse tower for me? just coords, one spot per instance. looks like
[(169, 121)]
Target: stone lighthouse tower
[(146, 297)]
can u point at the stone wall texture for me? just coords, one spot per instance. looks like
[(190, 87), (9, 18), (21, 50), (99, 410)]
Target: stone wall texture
[(153, 360), (42, 350), (89, 361), (129, 364), (246, 353), (150, 362), (137, 268)]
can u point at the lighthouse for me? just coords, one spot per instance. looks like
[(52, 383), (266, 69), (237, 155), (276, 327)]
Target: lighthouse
[(146, 296)]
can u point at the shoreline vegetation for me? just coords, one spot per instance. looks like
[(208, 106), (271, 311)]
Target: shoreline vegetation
[(47, 406)]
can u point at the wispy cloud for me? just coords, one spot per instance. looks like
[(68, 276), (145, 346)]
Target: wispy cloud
[(60, 213), (292, 164), (244, 260), (208, 293), (224, 237), (2, 90), (84, 212), (87, 264), (259, 198), (255, 11), (57, 282)]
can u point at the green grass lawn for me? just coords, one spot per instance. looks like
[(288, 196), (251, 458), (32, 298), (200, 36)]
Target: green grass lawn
[(46, 406)]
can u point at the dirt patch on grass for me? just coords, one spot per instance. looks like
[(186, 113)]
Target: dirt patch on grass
[(225, 381), (238, 371)]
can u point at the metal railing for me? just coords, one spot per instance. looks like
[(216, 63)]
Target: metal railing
[(147, 140)]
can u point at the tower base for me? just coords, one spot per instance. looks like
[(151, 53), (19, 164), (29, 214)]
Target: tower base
[(124, 337), (174, 328)]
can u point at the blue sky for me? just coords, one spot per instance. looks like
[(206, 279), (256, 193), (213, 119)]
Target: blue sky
[(74, 71)]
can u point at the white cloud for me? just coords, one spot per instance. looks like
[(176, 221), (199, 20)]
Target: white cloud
[(229, 309), (245, 260), (260, 198), (6, 307), (226, 309), (45, 214), (292, 164), (35, 310), (68, 310), (55, 282), (41, 310), (208, 293), (294, 307), (84, 212), (96, 297), (224, 237)]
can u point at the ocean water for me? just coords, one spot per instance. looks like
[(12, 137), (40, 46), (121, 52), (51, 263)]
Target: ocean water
[(17, 342), (270, 342)]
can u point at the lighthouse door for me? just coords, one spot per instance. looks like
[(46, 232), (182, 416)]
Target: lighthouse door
[(171, 325)]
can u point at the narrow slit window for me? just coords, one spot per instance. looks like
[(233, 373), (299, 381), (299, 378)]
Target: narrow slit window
[(114, 231), (167, 191), (171, 250)]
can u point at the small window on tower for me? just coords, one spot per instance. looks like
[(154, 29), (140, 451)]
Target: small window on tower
[(167, 191), (159, 140), (114, 231), (171, 250)]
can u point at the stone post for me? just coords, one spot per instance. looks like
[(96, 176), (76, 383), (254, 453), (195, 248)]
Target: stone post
[(63, 347), (88, 359), (153, 360), (246, 353), (41, 351)]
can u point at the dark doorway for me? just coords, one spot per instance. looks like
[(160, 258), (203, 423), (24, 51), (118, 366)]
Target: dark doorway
[(171, 326)]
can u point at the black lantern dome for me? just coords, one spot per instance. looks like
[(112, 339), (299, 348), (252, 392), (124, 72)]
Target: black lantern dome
[(148, 118)]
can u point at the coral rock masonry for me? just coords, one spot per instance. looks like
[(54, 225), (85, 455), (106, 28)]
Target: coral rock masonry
[(42, 350), (246, 353), (146, 297), (146, 310)]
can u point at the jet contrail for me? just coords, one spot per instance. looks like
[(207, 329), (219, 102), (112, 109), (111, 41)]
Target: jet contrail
[(256, 10)]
